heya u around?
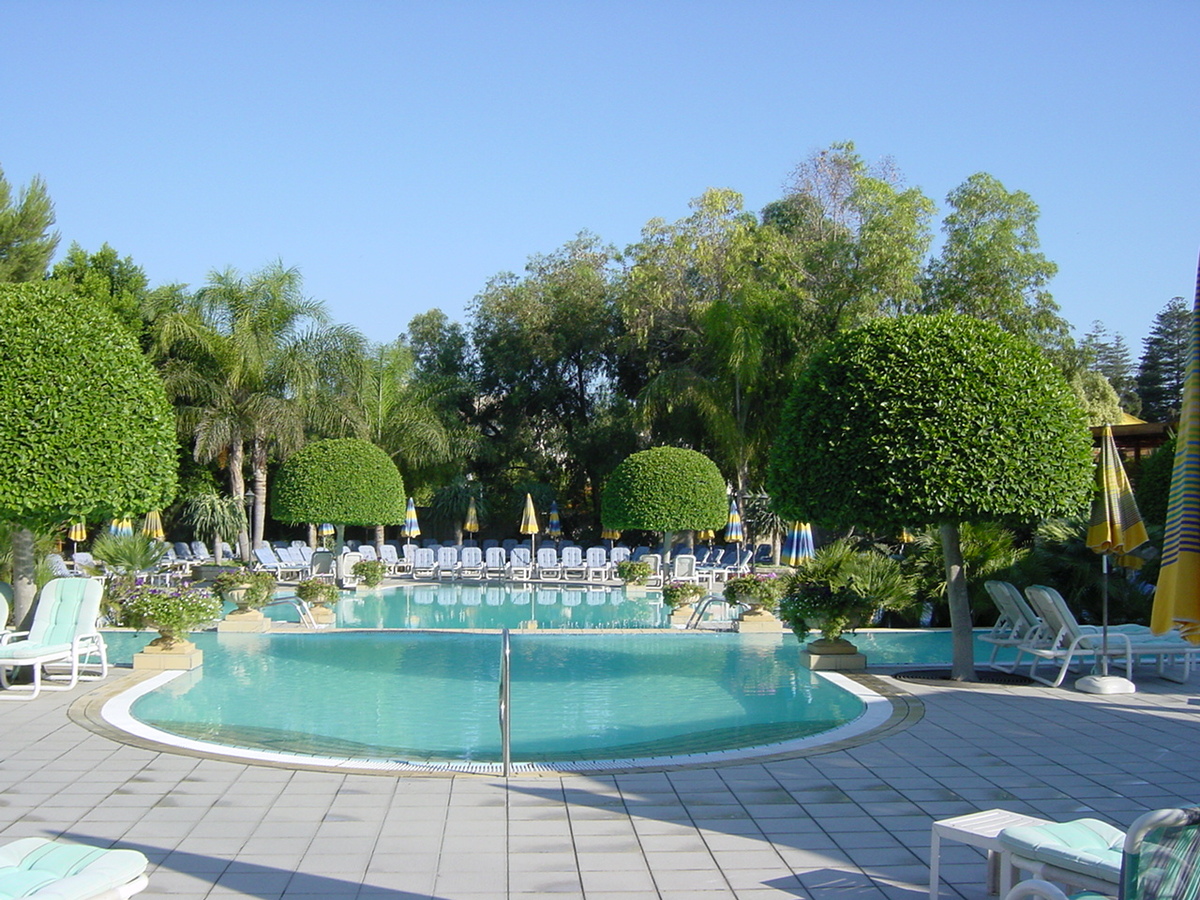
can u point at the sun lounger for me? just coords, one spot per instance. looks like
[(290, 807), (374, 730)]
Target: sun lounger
[(495, 562), (471, 564), (40, 869), (520, 565), (63, 634), (424, 563), (572, 564), (447, 563), (548, 567), (1016, 626), (597, 566)]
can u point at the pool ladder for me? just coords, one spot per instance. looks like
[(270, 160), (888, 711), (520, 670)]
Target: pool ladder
[(694, 621), (301, 608)]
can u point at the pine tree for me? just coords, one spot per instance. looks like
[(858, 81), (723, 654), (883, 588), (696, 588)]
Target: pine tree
[(1164, 362), (26, 242), (1108, 354)]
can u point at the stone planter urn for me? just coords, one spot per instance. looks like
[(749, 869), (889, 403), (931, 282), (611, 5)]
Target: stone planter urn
[(163, 654), (759, 620), (832, 656), (244, 619)]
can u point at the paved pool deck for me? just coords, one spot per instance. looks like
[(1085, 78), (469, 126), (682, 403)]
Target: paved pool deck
[(850, 823)]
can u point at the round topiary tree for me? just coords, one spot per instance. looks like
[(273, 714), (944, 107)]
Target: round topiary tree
[(345, 481), (665, 489), (931, 420), (86, 430)]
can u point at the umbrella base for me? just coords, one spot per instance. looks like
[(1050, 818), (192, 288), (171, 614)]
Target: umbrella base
[(1105, 684)]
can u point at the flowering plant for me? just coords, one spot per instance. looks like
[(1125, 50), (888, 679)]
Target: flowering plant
[(172, 610), (680, 593), (249, 590), (317, 592), (762, 589)]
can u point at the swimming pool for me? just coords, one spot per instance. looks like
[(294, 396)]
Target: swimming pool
[(579, 700), (511, 605)]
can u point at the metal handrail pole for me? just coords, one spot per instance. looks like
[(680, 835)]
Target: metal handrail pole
[(505, 698)]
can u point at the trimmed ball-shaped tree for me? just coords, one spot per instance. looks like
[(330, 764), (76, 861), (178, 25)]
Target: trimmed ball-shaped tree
[(343, 481), (665, 489), (86, 430), (931, 420)]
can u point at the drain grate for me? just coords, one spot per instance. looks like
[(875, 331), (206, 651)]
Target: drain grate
[(981, 677)]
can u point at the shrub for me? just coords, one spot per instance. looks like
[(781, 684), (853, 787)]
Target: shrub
[(317, 592), (665, 489), (344, 481), (259, 587), (371, 571), (128, 552), (633, 572)]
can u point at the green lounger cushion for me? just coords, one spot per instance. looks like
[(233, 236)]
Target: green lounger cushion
[(39, 869), (1087, 846)]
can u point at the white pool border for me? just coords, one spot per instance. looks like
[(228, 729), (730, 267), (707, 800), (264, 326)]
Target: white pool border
[(117, 712)]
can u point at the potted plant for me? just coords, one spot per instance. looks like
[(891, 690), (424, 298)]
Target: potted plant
[(760, 591), (320, 596), (681, 593), (838, 590), (248, 591), (371, 571), (173, 611), (633, 573)]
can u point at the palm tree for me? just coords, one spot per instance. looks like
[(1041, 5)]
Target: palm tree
[(253, 363)]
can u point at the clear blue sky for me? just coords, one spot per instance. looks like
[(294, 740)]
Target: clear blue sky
[(400, 154)]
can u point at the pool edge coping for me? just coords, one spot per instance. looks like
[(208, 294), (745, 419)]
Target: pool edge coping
[(92, 711)]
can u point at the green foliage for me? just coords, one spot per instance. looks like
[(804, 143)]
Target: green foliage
[(1163, 364), (371, 571), (172, 611), (345, 481), (317, 593), (110, 281), (85, 427), (1097, 397), (1109, 355), (128, 553), (761, 589), (213, 513), (930, 420), (1153, 483), (26, 242), (989, 550), (680, 593), (991, 265), (665, 489), (840, 588), (633, 572)]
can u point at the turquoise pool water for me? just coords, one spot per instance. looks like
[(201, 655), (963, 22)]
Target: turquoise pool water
[(433, 696)]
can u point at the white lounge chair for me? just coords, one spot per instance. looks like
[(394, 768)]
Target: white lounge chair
[(683, 568), (447, 562), (6, 599), (597, 567), (63, 634), (495, 562), (572, 564), (471, 564), (1016, 626), (1068, 641), (548, 567), (269, 562), (520, 565), (40, 869), (654, 561), (424, 563)]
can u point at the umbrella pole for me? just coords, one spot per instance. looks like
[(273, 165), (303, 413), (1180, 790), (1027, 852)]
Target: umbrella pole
[(1104, 614)]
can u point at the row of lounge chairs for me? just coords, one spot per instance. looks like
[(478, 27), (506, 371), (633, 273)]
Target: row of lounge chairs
[(1042, 629)]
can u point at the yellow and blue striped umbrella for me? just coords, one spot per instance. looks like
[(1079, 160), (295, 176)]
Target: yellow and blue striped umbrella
[(472, 523), (121, 527), (78, 532), (554, 524), (1177, 598), (325, 529), (529, 522), (411, 527), (799, 544), (733, 530), (610, 534), (152, 526)]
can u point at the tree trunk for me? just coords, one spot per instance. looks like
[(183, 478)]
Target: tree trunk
[(237, 487), (379, 541), (963, 666), (312, 536), (668, 540), (24, 588), (258, 466), (217, 555)]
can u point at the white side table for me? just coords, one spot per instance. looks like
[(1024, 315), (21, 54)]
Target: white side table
[(980, 829)]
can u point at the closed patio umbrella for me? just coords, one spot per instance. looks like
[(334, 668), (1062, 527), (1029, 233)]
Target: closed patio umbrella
[(799, 544), (1177, 598), (121, 526), (152, 526), (733, 530), (77, 533), (554, 523), (529, 522), (412, 528), (472, 523), (1115, 529)]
